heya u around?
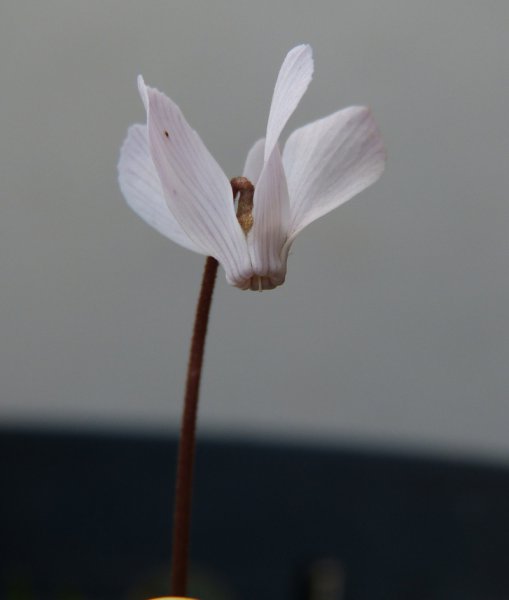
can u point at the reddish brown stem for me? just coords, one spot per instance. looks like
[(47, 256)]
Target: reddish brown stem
[(185, 461)]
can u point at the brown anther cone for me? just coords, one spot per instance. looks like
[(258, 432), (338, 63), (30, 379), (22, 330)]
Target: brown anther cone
[(245, 189)]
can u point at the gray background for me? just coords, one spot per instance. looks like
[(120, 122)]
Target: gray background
[(393, 325)]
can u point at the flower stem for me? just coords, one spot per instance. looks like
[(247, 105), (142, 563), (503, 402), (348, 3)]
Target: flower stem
[(185, 461)]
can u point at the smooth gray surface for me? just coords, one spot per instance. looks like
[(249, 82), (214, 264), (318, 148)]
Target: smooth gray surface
[(393, 324)]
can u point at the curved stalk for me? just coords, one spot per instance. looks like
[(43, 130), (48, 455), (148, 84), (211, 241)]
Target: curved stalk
[(185, 461)]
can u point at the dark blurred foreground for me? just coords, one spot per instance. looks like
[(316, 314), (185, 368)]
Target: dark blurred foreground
[(88, 517)]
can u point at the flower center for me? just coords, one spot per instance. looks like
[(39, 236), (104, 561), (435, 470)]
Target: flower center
[(245, 189)]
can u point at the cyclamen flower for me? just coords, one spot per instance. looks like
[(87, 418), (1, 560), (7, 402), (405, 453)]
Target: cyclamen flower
[(170, 179)]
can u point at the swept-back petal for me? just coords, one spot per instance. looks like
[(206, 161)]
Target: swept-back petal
[(142, 189), (328, 162), (196, 190), (270, 221), (292, 82), (254, 162)]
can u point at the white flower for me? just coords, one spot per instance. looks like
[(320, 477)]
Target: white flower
[(170, 179)]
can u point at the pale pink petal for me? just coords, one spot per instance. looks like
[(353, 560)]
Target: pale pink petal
[(270, 221), (196, 190), (293, 79), (328, 162), (254, 162), (142, 189)]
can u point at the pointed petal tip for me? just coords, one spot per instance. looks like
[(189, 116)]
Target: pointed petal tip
[(304, 53), (376, 137), (365, 114), (302, 48), (142, 89)]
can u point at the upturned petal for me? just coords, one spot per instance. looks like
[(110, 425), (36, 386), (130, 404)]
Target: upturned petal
[(291, 84), (196, 190), (264, 167), (142, 189), (328, 162)]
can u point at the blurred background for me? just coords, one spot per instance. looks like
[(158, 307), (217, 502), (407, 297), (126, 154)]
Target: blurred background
[(392, 325), (391, 333)]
